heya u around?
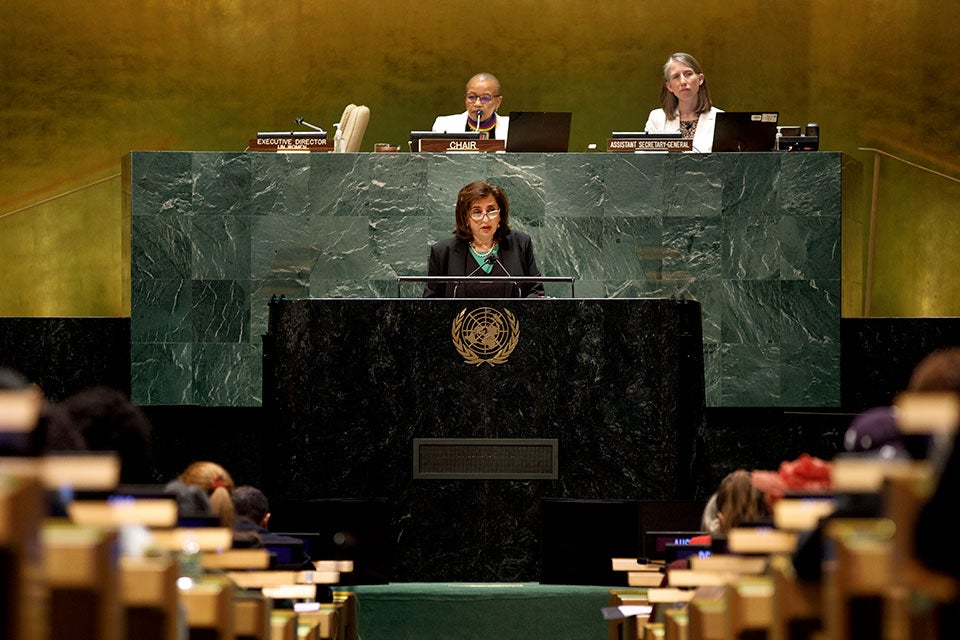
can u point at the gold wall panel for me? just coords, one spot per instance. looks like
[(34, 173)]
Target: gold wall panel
[(81, 84)]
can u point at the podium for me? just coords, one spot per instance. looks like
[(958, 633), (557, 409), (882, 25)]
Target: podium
[(352, 386)]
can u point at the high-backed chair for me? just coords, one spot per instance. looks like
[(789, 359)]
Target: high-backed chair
[(350, 129)]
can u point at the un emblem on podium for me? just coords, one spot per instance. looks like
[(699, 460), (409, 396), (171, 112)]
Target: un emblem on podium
[(485, 335)]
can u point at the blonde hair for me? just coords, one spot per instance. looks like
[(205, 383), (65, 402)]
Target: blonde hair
[(217, 483)]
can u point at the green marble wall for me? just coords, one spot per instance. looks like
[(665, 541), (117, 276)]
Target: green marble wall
[(754, 237)]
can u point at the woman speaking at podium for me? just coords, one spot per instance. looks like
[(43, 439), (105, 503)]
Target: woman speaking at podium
[(686, 105), (483, 245)]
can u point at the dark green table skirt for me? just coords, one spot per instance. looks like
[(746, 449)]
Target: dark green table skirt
[(524, 611)]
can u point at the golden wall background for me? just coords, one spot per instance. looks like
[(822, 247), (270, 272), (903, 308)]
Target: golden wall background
[(82, 84)]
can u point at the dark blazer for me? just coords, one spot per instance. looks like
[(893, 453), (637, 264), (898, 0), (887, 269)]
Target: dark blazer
[(451, 257)]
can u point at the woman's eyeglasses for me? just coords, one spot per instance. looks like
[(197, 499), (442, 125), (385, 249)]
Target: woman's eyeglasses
[(479, 215), (484, 99)]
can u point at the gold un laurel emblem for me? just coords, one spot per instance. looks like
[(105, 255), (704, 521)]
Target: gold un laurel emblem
[(485, 335)]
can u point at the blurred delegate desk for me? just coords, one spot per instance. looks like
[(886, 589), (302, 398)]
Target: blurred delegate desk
[(465, 414)]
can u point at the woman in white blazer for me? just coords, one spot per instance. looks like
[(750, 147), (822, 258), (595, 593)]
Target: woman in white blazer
[(483, 97), (686, 105)]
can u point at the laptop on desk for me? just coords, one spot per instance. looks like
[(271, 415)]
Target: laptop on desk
[(745, 131), (539, 131)]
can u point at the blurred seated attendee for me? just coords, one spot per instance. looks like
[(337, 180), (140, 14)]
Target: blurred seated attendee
[(482, 99), (213, 482), (709, 522), (874, 434), (935, 520), (23, 416), (805, 474), (940, 371), (253, 516), (738, 502), (101, 418)]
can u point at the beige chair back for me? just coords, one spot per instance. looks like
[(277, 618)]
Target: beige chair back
[(352, 126)]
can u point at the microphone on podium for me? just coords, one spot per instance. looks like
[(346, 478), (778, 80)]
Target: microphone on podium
[(490, 259), (479, 119), (517, 285), (304, 122)]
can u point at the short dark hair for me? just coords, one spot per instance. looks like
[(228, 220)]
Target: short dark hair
[(475, 191), (250, 502)]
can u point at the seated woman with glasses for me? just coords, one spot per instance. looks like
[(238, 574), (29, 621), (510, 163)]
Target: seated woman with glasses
[(482, 100), (483, 245)]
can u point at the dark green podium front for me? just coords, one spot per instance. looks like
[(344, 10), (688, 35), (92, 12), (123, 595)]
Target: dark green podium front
[(350, 385)]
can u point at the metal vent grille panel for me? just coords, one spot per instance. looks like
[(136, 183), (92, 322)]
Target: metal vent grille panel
[(485, 458)]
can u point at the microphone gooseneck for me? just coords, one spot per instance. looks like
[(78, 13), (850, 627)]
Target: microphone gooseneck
[(488, 260), (304, 122), (496, 259)]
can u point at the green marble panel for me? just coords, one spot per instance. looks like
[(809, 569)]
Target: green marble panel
[(397, 244), (694, 185), (227, 375), (333, 183), (810, 247), (161, 373), (692, 248), (571, 247), (282, 247), (162, 183), (280, 186), (711, 294), (574, 186), (750, 375), (522, 179), (362, 289), (222, 184), (754, 237), (810, 309), (808, 372), (632, 249), (390, 185), (809, 185), (752, 247), (750, 312), (633, 186), (347, 249), (750, 184), (160, 246), (221, 247), (163, 310), (221, 311)]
